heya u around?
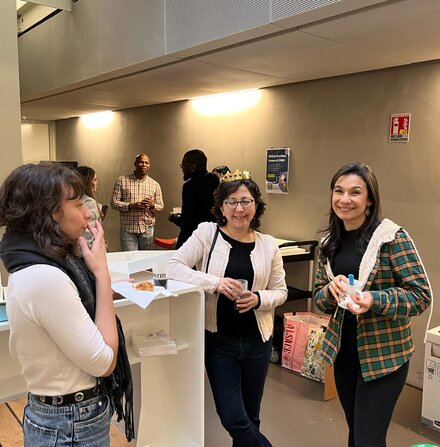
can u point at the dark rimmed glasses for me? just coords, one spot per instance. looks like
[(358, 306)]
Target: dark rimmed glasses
[(232, 203)]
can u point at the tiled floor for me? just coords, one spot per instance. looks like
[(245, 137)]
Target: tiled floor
[(294, 415)]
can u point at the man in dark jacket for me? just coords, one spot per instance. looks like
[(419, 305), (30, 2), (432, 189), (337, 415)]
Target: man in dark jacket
[(197, 194)]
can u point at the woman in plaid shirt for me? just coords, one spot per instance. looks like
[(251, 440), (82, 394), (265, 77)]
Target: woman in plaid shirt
[(370, 343)]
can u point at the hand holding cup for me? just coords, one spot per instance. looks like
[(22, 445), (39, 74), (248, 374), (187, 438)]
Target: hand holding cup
[(244, 287)]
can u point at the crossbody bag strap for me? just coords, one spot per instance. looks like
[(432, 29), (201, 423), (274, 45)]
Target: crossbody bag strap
[(212, 248)]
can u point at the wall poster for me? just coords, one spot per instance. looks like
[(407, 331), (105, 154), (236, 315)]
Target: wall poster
[(399, 127), (277, 170)]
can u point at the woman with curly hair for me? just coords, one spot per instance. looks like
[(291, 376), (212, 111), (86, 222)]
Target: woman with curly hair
[(63, 328)]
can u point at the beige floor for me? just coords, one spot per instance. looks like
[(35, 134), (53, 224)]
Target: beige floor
[(293, 415)]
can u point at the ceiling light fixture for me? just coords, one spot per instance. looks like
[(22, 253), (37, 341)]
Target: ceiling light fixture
[(226, 103), (97, 120)]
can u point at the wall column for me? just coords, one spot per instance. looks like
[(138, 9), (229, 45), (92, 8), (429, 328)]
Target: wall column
[(10, 119)]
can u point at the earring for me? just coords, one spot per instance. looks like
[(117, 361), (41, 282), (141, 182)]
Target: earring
[(367, 211)]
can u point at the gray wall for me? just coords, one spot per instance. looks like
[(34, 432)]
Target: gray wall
[(326, 123)]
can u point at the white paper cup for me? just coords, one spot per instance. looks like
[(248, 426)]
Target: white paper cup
[(160, 273), (355, 288)]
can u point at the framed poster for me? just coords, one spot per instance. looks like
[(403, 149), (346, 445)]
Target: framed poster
[(399, 127), (277, 170)]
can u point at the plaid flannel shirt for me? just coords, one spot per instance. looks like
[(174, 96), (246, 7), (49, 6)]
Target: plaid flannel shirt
[(129, 189), (391, 270)]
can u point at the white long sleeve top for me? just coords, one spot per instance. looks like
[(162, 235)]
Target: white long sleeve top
[(267, 262), (58, 345)]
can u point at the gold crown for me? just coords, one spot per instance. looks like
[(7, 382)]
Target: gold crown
[(236, 175)]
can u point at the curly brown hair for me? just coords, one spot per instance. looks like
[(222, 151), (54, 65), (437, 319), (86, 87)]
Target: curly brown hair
[(29, 197), (225, 189)]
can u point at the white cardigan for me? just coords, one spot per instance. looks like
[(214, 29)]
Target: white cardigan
[(267, 262)]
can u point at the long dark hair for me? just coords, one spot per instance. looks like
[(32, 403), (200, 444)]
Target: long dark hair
[(29, 197), (335, 226), (87, 175), (225, 189)]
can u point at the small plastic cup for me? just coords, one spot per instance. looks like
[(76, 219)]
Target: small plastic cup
[(244, 286)]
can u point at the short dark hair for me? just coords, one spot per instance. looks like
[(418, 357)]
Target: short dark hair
[(221, 170), (196, 157), (225, 189), (87, 175), (31, 194)]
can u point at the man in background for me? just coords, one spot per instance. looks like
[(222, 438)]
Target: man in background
[(138, 198), (197, 194)]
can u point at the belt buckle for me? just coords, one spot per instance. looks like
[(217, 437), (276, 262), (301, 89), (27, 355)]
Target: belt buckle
[(79, 396)]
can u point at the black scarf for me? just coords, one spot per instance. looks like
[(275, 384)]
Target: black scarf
[(18, 251)]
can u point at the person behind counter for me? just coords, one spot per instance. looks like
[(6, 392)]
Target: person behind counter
[(370, 343), (238, 340), (63, 328)]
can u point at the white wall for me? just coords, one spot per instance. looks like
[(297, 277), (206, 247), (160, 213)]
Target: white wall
[(10, 147), (35, 142)]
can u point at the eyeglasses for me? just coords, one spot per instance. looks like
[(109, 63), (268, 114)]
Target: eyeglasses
[(232, 204)]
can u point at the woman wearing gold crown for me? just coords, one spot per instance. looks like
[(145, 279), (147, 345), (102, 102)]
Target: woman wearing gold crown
[(239, 321)]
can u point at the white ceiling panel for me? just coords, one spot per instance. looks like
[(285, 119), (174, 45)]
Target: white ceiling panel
[(399, 33), (298, 56), (408, 30)]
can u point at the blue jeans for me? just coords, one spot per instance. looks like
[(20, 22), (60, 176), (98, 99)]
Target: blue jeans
[(237, 369), (85, 424), (136, 241)]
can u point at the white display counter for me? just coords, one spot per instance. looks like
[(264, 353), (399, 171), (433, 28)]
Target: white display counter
[(431, 380), (168, 389)]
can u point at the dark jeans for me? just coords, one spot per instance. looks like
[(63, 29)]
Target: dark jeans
[(237, 369), (368, 406)]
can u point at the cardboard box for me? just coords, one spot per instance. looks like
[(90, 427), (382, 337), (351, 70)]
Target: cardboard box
[(125, 263), (431, 380)]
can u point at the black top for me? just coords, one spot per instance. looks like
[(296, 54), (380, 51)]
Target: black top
[(197, 202), (347, 260), (229, 320)]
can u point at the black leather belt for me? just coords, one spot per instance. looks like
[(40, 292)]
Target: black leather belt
[(68, 399)]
